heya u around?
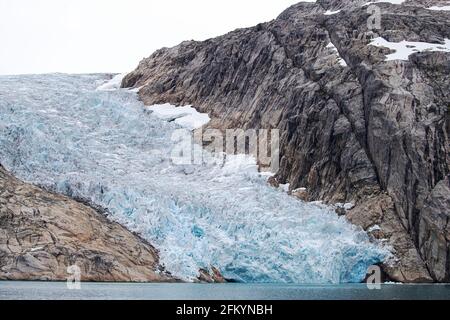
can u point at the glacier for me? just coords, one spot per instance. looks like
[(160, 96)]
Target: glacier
[(105, 147)]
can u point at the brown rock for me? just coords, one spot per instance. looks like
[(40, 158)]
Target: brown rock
[(42, 234), (212, 276)]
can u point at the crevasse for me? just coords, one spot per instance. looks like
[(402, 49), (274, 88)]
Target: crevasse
[(57, 131)]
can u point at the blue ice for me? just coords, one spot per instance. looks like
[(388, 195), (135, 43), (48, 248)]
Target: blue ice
[(57, 131)]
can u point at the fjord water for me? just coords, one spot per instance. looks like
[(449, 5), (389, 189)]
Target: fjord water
[(59, 132), (13, 290)]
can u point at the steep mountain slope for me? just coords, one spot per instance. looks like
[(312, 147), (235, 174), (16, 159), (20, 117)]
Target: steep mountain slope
[(355, 125)]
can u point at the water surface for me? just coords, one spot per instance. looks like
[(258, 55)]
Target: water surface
[(12, 290)]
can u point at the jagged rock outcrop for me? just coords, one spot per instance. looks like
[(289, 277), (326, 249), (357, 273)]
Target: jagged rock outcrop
[(42, 234), (355, 127)]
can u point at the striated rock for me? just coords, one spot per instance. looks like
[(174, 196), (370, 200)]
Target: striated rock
[(301, 193), (434, 231), (377, 215), (213, 276), (353, 125), (42, 234)]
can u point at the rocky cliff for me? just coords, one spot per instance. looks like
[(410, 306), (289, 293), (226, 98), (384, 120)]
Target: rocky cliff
[(356, 126), (42, 234)]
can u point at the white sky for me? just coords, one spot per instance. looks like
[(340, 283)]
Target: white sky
[(79, 36)]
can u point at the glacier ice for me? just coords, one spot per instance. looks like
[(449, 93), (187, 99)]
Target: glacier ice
[(186, 116), (105, 147)]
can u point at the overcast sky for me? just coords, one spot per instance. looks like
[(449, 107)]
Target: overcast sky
[(79, 36)]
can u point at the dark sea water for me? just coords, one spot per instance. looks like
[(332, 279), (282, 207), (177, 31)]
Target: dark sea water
[(13, 290)]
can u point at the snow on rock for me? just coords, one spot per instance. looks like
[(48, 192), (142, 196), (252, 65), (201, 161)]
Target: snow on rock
[(285, 187), (349, 206), (329, 12), (186, 117), (267, 174), (112, 84), (136, 90), (346, 206), (374, 228), (334, 49), (385, 1), (320, 204), (392, 1), (404, 49), (436, 8)]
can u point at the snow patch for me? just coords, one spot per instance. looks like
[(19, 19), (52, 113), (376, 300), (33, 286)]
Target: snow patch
[(299, 190), (404, 49), (329, 12), (335, 50), (136, 90), (349, 206), (345, 206), (374, 228), (285, 187), (392, 1), (113, 84), (436, 8), (186, 116), (384, 1)]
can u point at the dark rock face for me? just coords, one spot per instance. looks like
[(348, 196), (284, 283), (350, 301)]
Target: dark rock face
[(42, 234), (434, 231), (353, 131)]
